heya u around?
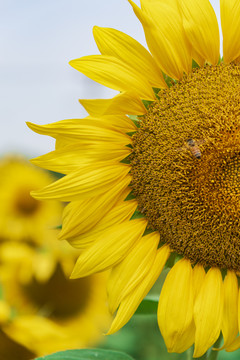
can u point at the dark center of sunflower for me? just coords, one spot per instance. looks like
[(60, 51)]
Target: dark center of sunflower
[(25, 204), (9, 348), (59, 297), (186, 166)]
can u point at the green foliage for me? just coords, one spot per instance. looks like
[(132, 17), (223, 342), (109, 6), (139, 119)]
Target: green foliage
[(220, 59), (142, 340), (147, 103), (137, 215), (126, 160), (169, 81), (1, 292), (135, 119), (148, 306), (195, 64), (87, 354)]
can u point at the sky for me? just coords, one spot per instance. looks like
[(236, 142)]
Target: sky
[(39, 38)]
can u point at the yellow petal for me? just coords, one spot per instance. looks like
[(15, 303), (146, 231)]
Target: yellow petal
[(112, 72), (236, 343), (120, 212), (81, 130), (115, 43), (208, 312), (165, 36), (131, 302), (198, 58), (234, 346), (114, 121), (230, 309), (84, 216), (88, 182), (5, 312), (129, 273), (43, 266), (230, 21), (123, 103), (175, 308), (110, 248), (70, 158), (198, 278), (32, 331), (201, 27)]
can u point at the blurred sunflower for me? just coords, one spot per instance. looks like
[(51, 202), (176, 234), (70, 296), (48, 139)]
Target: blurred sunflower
[(56, 315), (28, 234), (23, 218), (166, 183), (8, 347), (41, 310)]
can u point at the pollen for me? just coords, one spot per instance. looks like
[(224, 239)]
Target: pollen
[(186, 166)]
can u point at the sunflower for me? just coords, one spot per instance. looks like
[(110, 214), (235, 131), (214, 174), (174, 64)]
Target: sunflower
[(28, 234), (8, 347), (164, 181), (41, 310), (56, 315), (23, 218)]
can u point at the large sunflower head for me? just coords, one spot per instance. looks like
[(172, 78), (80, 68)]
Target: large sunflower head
[(163, 181)]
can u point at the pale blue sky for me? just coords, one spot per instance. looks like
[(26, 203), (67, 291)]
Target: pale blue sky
[(39, 37)]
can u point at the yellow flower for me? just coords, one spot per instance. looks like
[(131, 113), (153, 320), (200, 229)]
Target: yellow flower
[(165, 183), (21, 216), (56, 315), (28, 234), (42, 310), (8, 347)]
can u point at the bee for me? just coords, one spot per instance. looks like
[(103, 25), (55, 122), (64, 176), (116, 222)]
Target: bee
[(193, 146)]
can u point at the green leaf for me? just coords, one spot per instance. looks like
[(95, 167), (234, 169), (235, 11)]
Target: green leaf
[(195, 64), (147, 103), (137, 215), (58, 227), (135, 119), (148, 306), (1, 291), (169, 81), (87, 354), (130, 196)]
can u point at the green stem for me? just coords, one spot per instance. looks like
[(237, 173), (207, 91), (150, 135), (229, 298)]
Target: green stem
[(189, 353), (209, 355), (203, 357), (213, 353)]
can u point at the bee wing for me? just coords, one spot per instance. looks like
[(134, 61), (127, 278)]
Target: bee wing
[(201, 142), (182, 148)]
